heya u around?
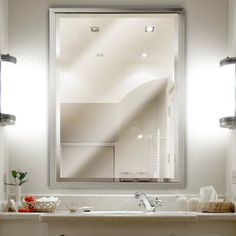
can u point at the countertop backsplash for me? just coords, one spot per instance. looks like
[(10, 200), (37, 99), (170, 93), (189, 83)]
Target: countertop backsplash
[(119, 202)]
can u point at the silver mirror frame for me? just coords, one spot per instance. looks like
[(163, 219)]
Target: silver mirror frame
[(180, 109)]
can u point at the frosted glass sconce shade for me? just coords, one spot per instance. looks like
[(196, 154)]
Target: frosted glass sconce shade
[(229, 121), (5, 59)]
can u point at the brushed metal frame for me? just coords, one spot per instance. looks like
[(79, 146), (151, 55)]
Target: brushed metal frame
[(180, 109)]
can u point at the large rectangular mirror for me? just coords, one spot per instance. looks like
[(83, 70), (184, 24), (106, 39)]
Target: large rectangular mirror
[(116, 97)]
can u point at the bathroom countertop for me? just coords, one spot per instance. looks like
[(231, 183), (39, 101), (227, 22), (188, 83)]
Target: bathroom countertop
[(216, 216), (104, 216), (142, 216), (19, 216)]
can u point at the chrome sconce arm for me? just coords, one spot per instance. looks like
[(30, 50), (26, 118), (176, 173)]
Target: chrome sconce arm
[(229, 121), (8, 58), (5, 119)]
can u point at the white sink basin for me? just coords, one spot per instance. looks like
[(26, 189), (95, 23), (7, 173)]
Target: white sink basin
[(158, 214), (114, 212)]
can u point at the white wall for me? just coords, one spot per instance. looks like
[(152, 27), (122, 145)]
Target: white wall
[(232, 147), (232, 166), (232, 29), (207, 40), (3, 25), (3, 166), (3, 49)]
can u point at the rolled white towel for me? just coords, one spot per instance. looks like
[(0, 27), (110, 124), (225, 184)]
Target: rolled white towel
[(48, 199)]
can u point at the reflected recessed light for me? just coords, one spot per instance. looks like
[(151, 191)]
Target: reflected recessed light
[(94, 29), (139, 136), (149, 28), (144, 55), (100, 54)]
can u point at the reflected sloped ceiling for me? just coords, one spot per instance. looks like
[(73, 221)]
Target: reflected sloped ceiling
[(86, 77)]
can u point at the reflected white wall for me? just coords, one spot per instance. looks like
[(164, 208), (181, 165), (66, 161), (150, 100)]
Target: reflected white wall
[(206, 45)]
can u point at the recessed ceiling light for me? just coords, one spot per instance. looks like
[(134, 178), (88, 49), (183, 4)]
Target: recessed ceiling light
[(149, 28), (100, 54), (144, 55), (94, 29)]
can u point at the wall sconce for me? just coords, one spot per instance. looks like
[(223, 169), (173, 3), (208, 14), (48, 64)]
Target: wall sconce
[(5, 119), (229, 121)]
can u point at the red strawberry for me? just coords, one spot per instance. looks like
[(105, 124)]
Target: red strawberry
[(30, 199)]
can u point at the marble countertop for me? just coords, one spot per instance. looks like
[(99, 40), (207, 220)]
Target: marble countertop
[(120, 215), (19, 216)]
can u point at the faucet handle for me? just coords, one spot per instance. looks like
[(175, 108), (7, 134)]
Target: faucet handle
[(141, 203), (157, 202)]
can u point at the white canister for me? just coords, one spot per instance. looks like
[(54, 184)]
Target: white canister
[(181, 204), (193, 204)]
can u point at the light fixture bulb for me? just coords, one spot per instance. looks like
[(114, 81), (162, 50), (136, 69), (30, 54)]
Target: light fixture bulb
[(229, 121), (6, 61)]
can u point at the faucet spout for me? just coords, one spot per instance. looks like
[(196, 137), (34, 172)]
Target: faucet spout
[(150, 206)]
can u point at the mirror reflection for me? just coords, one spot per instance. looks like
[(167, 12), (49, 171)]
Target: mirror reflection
[(116, 97)]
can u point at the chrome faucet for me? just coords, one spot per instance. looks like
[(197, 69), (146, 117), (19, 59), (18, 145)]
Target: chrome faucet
[(149, 205)]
